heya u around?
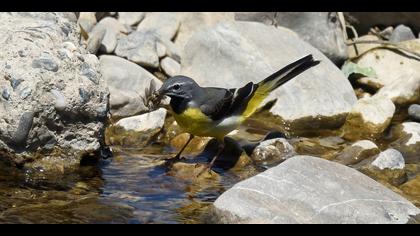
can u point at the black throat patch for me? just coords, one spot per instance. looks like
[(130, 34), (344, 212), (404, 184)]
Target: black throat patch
[(178, 104)]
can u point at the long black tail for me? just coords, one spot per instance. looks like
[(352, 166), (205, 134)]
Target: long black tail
[(287, 73)]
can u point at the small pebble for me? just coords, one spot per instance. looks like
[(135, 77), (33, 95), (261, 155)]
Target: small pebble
[(5, 94), (45, 62), (414, 112), (25, 93)]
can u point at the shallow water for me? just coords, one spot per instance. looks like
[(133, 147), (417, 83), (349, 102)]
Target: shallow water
[(134, 186)]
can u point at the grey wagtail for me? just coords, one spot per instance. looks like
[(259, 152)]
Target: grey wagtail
[(215, 112)]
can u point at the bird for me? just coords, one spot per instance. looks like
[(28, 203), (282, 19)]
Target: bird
[(215, 112)]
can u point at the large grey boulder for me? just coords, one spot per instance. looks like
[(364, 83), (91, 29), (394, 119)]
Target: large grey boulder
[(305, 189), (234, 53), (54, 101), (127, 82), (321, 29)]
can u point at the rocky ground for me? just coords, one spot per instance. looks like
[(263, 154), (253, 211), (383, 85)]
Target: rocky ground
[(350, 152)]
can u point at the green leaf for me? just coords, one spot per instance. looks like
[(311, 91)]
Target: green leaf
[(352, 68)]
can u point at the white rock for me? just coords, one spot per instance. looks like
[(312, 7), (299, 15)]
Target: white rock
[(369, 117), (403, 91), (365, 144), (170, 66), (144, 122), (412, 128), (389, 159), (164, 24), (127, 82), (131, 18), (390, 65)]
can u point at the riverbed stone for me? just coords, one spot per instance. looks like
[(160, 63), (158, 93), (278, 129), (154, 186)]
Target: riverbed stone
[(401, 33), (131, 18), (272, 151), (127, 82), (408, 141), (170, 66), (87, 20), (320, 191), (139, 47), (141, 123), (164, 24), (369, 117), (390, 65), (414, 112), (255, 51), (321, 29), (389, 159), (357, 152)]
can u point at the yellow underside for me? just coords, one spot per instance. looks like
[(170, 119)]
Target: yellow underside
[(193, 121)]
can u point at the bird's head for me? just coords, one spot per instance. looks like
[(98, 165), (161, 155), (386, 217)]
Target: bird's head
[(179, 87)]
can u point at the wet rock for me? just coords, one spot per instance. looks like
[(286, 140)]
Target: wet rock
[(369, 117), (139, 47), (320, 191), (191, 171), (87, 20), (357, 152), (389, 159), (131, 18), (21, 134), (36, 118), (408, 141), (401, 33), (192, 22), (141, 123), (412, 189), (46, 61), (127, 82), (164, 24), (253, 50), (414, 112), (170, 66), (273, 150), (321, 29), (196, 145), (389, 65), (387, 168)]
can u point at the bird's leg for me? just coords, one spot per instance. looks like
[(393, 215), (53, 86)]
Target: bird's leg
[(178, 156), (219, 152)]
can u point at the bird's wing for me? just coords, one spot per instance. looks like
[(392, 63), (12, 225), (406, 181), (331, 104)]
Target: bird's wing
[(216, 102), (220, 103)]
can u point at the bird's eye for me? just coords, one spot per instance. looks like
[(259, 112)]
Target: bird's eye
[(177, 87)]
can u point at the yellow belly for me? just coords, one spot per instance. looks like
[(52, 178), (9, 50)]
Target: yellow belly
[(193, 121)]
